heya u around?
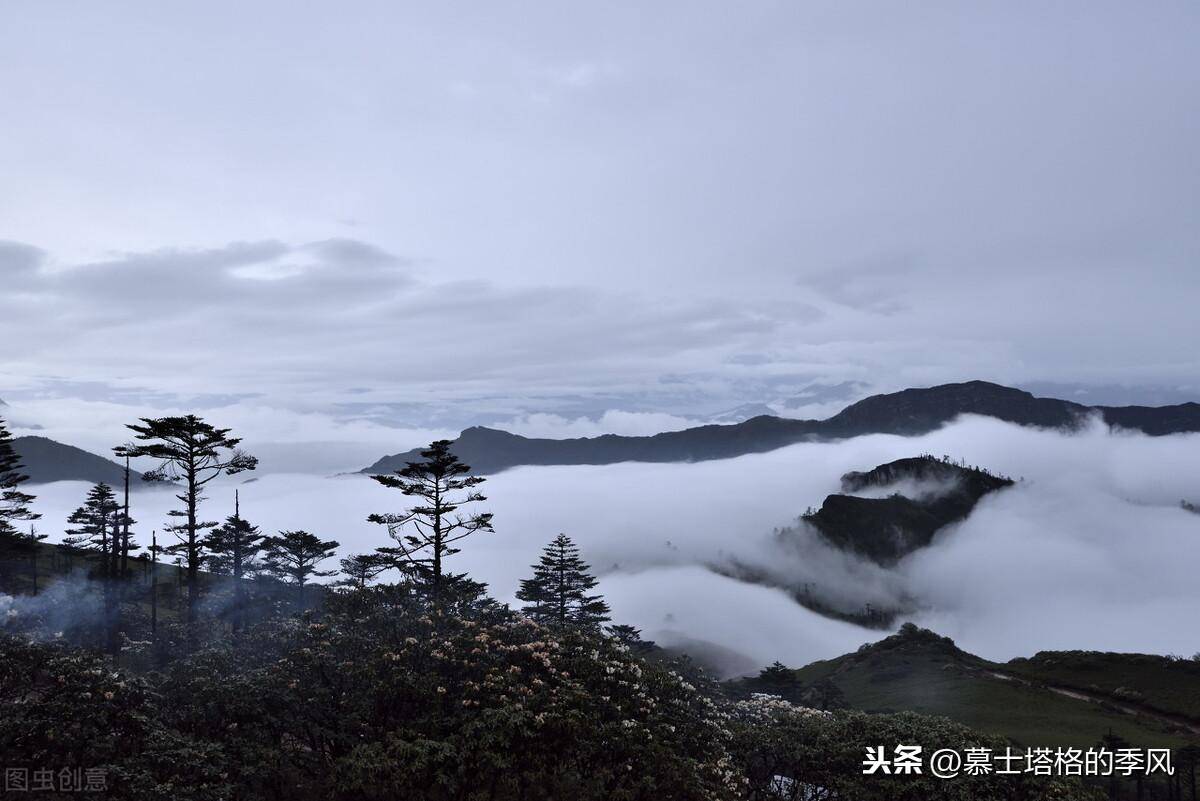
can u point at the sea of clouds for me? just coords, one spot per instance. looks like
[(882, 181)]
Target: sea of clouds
[(1091, 550)]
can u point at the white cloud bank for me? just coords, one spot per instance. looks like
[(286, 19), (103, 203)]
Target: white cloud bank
[(1090, 551)]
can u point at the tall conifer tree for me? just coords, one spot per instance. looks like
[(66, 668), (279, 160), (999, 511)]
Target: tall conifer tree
[(94, 524), (293, 556), (361, 569), (191, 453), (234, 548), (557, 594), (426, 534)]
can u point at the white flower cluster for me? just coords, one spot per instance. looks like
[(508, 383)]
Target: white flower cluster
[(764, 707)]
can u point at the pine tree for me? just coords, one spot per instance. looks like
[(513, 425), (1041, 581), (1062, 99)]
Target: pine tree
[(426, 533), (97, 528), (233, 549), (556, 595), (14, 504), (190, 452), (293, 557), (361, 569), (94, 523), (631, 638)]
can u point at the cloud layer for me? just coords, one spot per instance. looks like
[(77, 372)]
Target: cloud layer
[(449, 211), (1091, 550)]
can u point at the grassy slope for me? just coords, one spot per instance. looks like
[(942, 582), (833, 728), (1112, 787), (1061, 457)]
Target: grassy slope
[(927, 674), (1168, 685)]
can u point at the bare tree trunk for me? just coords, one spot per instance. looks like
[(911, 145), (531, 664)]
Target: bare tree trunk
[(112, 600), (193, 562), (125, 525), (154, 587), (239, 592)]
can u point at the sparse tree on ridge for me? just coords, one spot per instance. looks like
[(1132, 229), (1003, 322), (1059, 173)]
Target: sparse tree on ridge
[(556, 595), (293, 556), (190, 452), (426, 534), (97, 528), (233, 549), (361, 569), (95, 523)]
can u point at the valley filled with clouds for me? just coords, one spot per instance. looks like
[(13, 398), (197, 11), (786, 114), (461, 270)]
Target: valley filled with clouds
[(1089, 550)]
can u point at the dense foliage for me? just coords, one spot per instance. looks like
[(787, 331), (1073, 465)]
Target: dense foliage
[(381, 698)]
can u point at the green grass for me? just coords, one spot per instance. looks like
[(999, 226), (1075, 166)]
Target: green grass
[(928, 675), (1168, 685)]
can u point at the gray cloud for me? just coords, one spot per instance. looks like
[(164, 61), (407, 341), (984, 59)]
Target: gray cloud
[(875, 285), (266, 317), (18, 261), (848, 192)]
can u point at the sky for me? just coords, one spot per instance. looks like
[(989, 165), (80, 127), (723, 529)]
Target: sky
[(361, 222)]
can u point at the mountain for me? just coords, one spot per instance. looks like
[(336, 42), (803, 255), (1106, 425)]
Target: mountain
[(917, 670), (45, 460), (910, 412), (881, 515), (740, 414), (928, 495)]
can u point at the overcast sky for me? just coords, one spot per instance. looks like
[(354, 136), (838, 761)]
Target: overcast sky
[(331, 218)]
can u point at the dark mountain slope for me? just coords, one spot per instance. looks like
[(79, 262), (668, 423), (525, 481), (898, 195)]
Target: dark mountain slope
[(885, 530), (910, 412), (488, 450), (45, 460), (917, 411)]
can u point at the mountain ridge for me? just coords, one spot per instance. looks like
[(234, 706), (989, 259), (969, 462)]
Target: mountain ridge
[(45, 460), (909, 412)]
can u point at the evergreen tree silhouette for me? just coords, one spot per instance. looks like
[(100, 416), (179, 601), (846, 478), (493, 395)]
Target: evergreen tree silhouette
[(361, 569), (293, 557), (14, 504), (556, 595), (233, 549), (95, 523), (425, 534), (97, 528), (190, 452)]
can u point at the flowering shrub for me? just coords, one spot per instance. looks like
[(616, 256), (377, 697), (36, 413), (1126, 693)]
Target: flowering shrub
[(381, 700), (386, 706), (791, 752)]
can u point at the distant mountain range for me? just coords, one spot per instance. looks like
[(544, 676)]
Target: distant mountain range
[(910, 412), (45, 460)]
